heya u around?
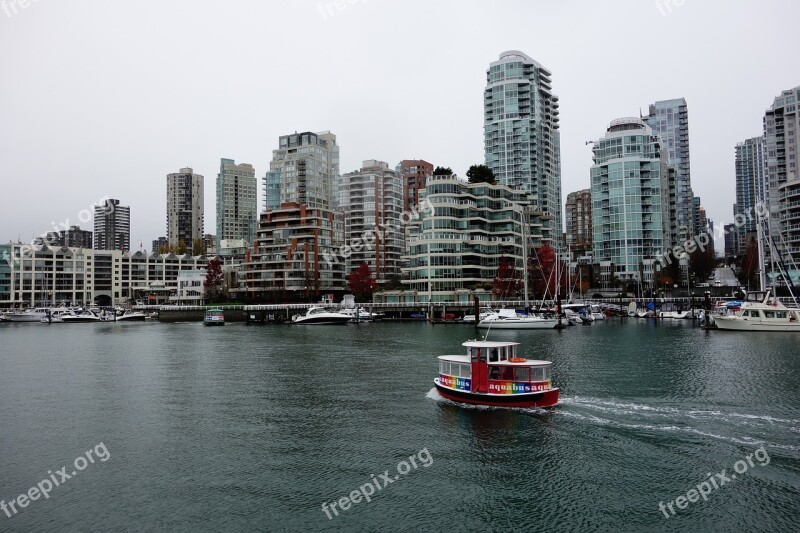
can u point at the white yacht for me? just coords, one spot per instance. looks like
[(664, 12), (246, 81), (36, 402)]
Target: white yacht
[(509, 319), (28, 315), (483, 312), (78, 318), (321, 316), (767, 314), (361, 315)]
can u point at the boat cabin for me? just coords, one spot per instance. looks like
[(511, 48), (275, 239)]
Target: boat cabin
[(494, 368)]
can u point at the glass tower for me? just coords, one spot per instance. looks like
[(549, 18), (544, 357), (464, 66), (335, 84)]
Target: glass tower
[(521, 137)]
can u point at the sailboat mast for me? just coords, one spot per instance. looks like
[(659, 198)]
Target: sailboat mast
[(524, 255)]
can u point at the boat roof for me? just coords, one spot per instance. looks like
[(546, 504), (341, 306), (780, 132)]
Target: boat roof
[(465, 359), (488, 344)]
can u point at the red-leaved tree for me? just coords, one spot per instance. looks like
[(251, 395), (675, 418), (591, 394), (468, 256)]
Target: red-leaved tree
[(543, 275), (361, 283), (508, 282), (214, 279)]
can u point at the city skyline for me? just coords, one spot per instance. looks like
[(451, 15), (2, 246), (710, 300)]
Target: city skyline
[(175, 130)]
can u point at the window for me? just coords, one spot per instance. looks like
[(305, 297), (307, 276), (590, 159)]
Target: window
[(769, 314), (522, 374)]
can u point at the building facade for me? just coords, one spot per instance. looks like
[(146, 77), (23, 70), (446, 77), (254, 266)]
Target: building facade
[(669, 119), (751, 185), (288, 261), (160, 245), (49, 275), (372, 203), (578, 214), (74, 237), (455, 249), (112, 226), (782, 142), (415, 173), (185, 208), (237, 202), (630, 200), (521, 137), (304, 170)]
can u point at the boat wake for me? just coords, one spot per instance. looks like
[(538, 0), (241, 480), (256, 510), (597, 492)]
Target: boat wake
[(750, 430)]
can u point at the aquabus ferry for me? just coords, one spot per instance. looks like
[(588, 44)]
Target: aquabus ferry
[(492, 374)]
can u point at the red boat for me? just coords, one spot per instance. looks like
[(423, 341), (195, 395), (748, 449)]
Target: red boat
[(492, 374)]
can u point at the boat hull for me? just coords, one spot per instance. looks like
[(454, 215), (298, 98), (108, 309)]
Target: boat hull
[(322, 321), (737, 324), (548, 398), (521, 324)]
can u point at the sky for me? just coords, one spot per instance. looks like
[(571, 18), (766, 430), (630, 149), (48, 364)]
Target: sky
[(104, 99)]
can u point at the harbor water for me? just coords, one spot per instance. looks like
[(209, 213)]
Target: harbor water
[(259, 428)]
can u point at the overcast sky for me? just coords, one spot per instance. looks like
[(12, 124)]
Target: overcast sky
[(106, 98)]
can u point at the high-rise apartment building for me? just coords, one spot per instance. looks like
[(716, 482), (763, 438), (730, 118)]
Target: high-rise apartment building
[(669, 119), (415, 173), (291, 261), (578, 214), (751, 185), (112, 226), (630, 199), (304, 170), (372, 201), (456, 245), (74, 237), (237, 209), (782, 140), (185, 211), (521, 137)]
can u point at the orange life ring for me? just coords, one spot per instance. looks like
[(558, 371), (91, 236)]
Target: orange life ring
[(517, 360)]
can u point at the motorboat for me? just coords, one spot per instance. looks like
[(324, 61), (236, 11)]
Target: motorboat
[(317, 315), (80, 317), (214, 317), (492, 374), (483, 312), (28, 315), (510, 319), (765, 313), (361, 315), (128, 316), (597, 313)]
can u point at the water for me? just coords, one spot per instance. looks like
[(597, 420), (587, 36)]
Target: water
[(253, 428)]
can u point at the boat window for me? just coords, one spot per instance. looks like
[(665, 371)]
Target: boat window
[(443, 367), (780, 314), (493, 356), (522, 374), (769, 314), (755, 314), (537, 374), (546, 373), (494, 372), (507, 373), (473, 355)]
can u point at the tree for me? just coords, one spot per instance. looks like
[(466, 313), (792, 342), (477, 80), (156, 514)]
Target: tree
[(507, 283), (214, 279), (442, 171), (163, 249), (393, 283), (702, 263), (361, 283), (182, 247), (543, 275), (198, 247), (480, 174)]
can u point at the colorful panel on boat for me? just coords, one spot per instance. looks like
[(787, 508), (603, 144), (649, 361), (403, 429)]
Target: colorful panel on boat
[(451, 382), (517, 387)]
